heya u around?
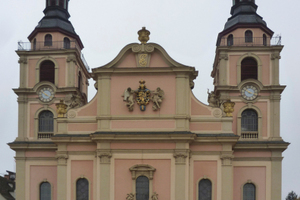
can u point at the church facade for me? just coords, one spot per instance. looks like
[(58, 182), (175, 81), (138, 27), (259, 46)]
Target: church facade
[(145, 136)]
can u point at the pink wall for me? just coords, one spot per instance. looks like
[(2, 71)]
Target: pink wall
[(82, 168), (120, 83), (129, 61), (143, 124), (161, 178), (82, 127), (83, 147), (37, 175), (142, 145), (198, 108), (157, 60), (252, 154), (207, 126), (197, 147), (40, 154), (89, 109), (257, 175), (206, 169), (61, 71), (31, 72)]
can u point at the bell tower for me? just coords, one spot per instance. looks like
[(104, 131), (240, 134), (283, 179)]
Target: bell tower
[(52, 70), (246, 72)]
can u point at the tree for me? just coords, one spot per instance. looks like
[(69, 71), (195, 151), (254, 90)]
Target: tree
[(292, 196)]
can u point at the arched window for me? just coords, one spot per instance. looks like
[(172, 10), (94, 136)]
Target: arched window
[(249, 191), (66, 43), (205, 189), (48, 40), (230, 40), (248, 36), (45, 191), (82, 189), (47, 71), (249, 124), (142, 188), (264, 40), (46, 122), (248, 69)]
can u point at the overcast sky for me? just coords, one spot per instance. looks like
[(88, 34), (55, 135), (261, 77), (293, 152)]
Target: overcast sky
[(186, 29)]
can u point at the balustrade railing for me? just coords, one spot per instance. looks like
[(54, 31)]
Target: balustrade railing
[(52, 45), (249, 41), (249, 135), (44, 135)]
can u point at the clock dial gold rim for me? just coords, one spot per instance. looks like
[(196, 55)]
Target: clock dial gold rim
[(46, 94), (249, 92)]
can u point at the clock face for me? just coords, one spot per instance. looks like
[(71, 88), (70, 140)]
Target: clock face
[(249, 92), (46, 94)]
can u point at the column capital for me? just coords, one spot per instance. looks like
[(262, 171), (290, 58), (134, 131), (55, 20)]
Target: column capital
[(180, 156), (104, 156), (62, 158)]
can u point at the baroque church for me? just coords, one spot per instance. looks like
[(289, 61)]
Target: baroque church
[(144, 135)]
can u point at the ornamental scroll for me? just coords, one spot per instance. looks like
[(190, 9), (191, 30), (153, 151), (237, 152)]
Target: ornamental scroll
[(142, 96)]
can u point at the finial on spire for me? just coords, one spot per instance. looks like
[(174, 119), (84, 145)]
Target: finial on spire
[(143, 35)]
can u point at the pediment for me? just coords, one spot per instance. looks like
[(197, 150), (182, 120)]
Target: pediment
[(149, 55)]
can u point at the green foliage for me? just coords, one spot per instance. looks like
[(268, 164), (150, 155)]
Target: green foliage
[(292, 196)]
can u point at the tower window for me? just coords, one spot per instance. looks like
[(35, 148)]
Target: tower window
[(264, 40), (45, 191), (67, 43), (248, 69), (249, 191), (205, 189), (248, 36), (48, 40), (249, 124), (82, 189), (230, 40), (46, 121), (47, 71), (142, 188)]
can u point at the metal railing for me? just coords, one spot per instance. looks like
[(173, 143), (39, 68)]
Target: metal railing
[(253, 41), (51, 45), (249, 135)]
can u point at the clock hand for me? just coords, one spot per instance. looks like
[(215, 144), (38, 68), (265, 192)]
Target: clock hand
[(45, 94), (249, 91)]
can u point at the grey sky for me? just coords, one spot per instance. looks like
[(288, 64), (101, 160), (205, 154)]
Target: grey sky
[(187, 30)]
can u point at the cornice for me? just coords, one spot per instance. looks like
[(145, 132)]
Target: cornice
[(37, 145), (262, 145)]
